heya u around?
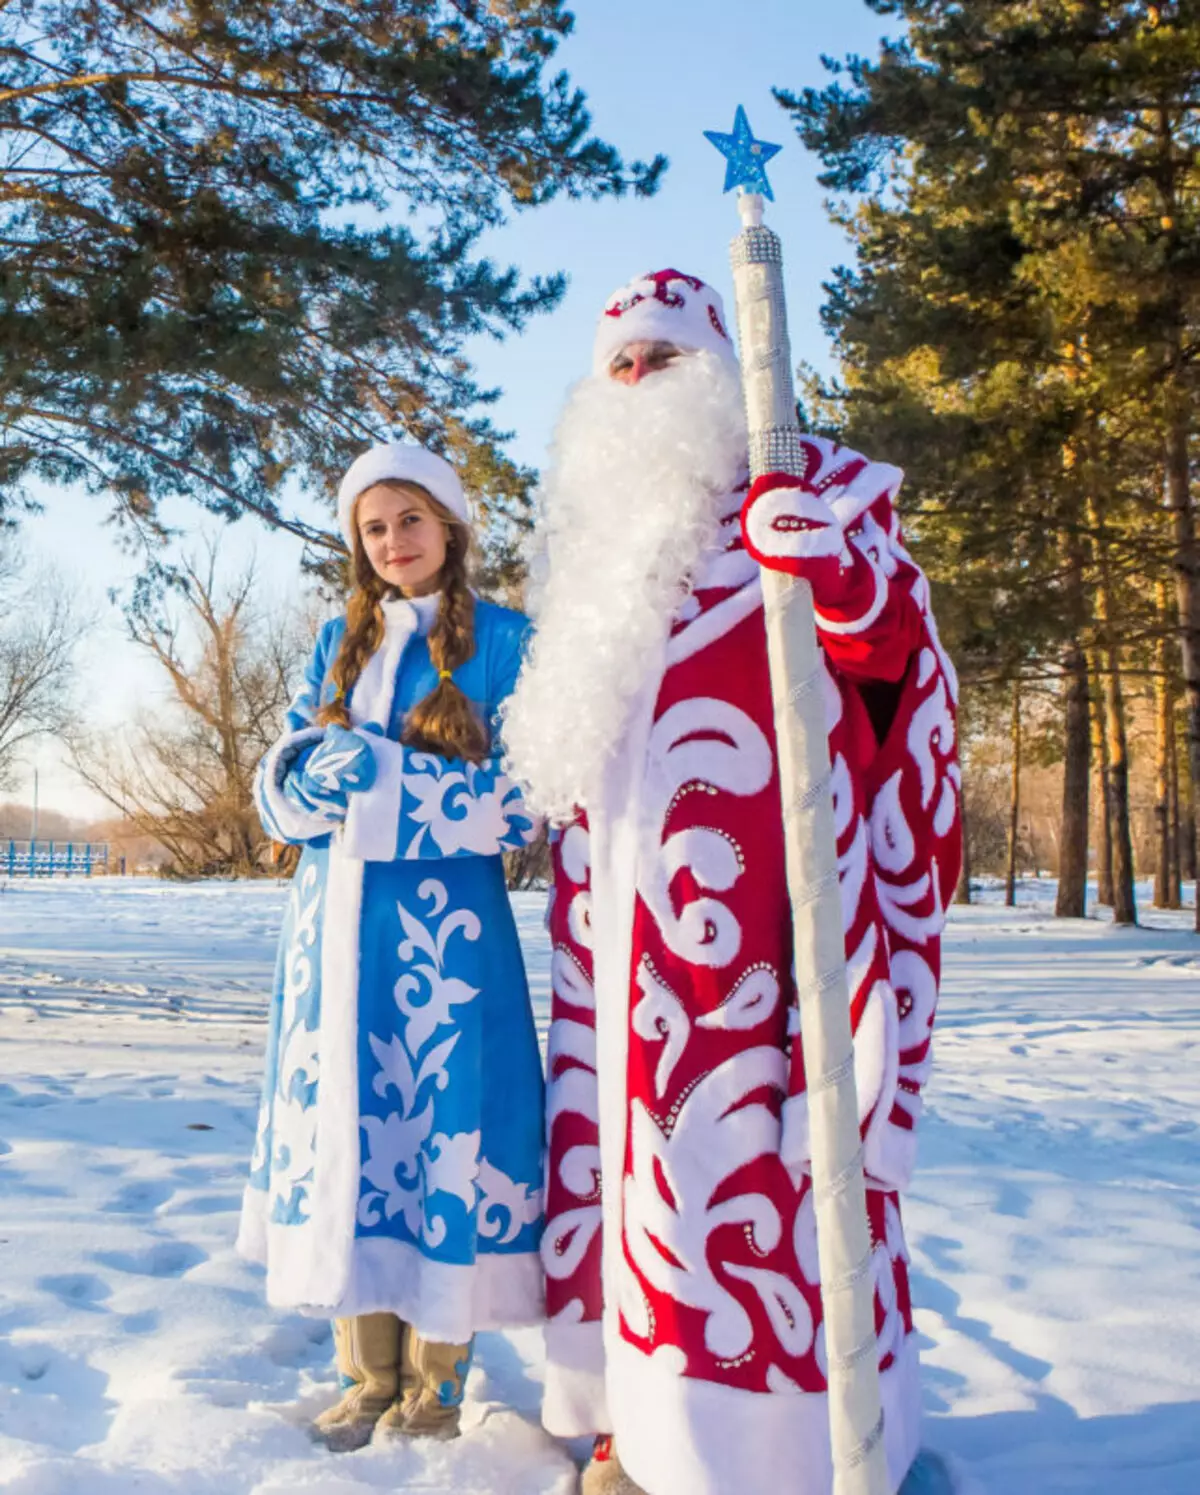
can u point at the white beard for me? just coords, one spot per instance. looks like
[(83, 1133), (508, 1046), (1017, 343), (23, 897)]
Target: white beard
[(629, 504)]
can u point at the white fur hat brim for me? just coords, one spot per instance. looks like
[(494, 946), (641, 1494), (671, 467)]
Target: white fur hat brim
[(668, 307), (402, 462)]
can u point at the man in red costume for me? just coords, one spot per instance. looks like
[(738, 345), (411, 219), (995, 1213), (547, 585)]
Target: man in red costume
[(680, 1250)]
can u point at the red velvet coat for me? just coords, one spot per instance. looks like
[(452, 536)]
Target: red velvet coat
[(685, 1296)]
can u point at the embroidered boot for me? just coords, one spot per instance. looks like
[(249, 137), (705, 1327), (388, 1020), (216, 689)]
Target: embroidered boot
[(604, 1474), (434, 1377), (368, 1350)]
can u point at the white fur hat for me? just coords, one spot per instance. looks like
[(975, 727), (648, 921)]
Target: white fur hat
[(668, 307), (400, 461)]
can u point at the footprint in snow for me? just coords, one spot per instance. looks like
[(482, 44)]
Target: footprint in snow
[(65, 1406), (139, 1198), (162, 1259), (141, 1323), (77, 1289)]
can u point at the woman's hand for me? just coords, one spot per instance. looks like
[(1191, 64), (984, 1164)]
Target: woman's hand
[(341, 764)]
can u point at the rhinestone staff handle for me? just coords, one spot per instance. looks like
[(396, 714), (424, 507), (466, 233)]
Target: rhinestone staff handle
[(810, 839)]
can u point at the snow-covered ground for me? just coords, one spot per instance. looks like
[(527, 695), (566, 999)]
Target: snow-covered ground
[(1054, 1225)]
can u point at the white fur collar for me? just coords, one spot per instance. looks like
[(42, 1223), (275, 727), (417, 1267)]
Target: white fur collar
[(410, 614)]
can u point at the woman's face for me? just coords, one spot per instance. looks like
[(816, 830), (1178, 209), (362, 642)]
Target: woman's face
[(404, 540)]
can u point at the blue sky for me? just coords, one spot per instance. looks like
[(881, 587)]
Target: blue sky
[(657, 74)]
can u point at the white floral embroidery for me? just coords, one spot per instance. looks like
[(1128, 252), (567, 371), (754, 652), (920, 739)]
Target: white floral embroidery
[(787, 1308), (896, 904), (751, 1002), (570, 982), (674, 1175), (392, 1165), (459, 809), (452, 1166), (660, 1017), (892, 839), (405, 1162), (444, 992), (501, 1200), (294, 1110), (716, 747), (931, 735), (576, 863), (567, 1238)]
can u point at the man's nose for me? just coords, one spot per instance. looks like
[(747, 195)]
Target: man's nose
[(639, 367)]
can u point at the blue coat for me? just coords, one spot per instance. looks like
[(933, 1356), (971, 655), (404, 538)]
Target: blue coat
[(398, 1163)]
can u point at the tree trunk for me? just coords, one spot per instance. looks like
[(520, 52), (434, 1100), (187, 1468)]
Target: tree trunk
[(1073, 837), (1175, 830), (1104, 868), (1014, 813), (1124, 905), (1164, 746), (1117, 772), (1186, 815), (1177, 466), (1187, 588)]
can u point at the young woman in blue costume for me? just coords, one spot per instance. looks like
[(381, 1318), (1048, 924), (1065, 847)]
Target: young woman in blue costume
[(396, 1183)]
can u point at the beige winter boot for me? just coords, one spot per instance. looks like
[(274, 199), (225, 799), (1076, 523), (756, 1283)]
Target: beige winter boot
[(433, 1377), (604, 1474), (368, 1352)]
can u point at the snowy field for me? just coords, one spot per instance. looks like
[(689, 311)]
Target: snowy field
[(1054, 1225)]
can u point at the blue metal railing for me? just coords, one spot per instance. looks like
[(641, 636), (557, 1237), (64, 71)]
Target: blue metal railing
[(52, 858)]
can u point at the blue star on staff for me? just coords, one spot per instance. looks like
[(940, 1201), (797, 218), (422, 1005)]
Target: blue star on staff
[(745, 158)]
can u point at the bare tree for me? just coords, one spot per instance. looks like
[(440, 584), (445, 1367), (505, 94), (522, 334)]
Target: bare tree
[(38, 635), (184, 776)]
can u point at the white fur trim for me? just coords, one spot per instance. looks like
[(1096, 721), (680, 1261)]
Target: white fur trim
[(575, 1403), (372, 823), (637, 313), (817, 533), (251, 1240), (400, 461), (374, 690), (443, 1301), (309, 1264), (890, 1154), (334, 1206), (373, 819), (291, 821), (613, 843), (678, 1435), (851, 500)]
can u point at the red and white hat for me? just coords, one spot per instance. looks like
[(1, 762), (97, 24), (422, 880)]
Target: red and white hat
[(668, 307)]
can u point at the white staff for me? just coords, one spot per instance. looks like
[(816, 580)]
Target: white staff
[(810, 841)]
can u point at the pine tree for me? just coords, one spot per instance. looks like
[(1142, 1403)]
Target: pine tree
[(240, 240), (1021, 182)]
